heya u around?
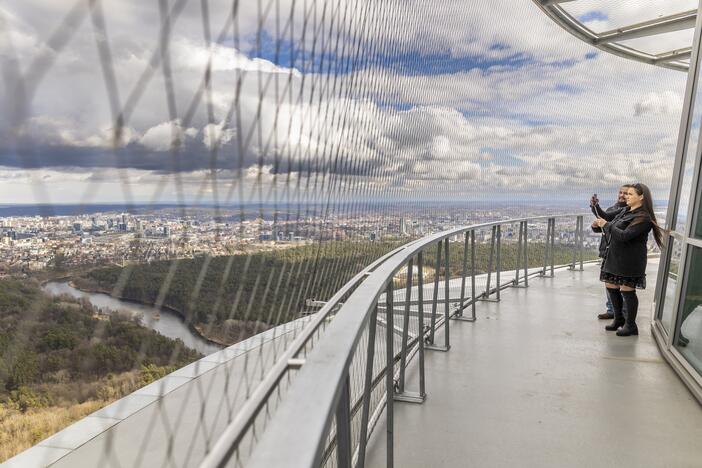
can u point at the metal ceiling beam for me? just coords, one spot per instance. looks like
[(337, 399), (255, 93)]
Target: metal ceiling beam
[(674, 60), (664, 24), (553, 2), (674, 55)]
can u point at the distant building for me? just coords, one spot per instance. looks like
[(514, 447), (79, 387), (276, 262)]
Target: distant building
[(403, 226)]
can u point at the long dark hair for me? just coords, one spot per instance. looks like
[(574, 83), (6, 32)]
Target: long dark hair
[(647, 213)]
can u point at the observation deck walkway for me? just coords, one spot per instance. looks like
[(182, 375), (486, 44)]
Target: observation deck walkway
[(537, 382)]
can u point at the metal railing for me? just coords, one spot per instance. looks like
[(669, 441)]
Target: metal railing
[(342, 384)]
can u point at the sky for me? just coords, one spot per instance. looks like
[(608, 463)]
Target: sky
[(315, 100)]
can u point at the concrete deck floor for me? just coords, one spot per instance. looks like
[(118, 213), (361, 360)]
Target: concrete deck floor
[(537, 382)]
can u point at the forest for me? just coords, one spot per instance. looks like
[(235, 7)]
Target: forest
[(62, 360), (273, 287)]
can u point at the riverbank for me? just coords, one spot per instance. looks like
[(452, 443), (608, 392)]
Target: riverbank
[(49, 275), (219, 334), (231, 331)]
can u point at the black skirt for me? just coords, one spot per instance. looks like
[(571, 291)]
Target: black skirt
[(637, 282)]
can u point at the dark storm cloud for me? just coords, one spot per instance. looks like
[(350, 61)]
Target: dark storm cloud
[(191, 157)]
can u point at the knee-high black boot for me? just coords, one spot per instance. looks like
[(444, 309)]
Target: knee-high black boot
[(631, 302), (615, 297)]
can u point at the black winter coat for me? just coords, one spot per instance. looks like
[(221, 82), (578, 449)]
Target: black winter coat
[(626, 251), (609, 214)]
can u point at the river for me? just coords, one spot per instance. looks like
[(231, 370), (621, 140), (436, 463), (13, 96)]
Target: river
[(170, 324)]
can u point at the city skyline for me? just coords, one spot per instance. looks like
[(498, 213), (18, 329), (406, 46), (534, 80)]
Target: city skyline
[(31, 244)]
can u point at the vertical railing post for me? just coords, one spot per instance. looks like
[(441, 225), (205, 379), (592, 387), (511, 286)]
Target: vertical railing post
[(405, 327), (367, 388), (472, 274), (389, 374), (460, 315), (553, 241), (548, 237), (549, 247), (447, 295), (519, 256), (464, 272), (486, 294), (401, 394), (435, 297), (522, 259), (581, 241), (446, 345), (343, 427), (575, 245), (498, 262), (526, 255), (420, 325)]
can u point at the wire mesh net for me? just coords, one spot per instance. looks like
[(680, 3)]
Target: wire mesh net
[(201, 179)]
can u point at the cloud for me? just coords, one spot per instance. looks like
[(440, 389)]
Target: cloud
[(665, 103), (215, 135), (164, 136), (484, 102), (222, 58)]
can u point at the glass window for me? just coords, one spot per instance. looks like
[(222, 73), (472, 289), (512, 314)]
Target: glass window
[(689, 159), (684, 197), (689, 338), (687, 174), (671, 282), (698, 227)]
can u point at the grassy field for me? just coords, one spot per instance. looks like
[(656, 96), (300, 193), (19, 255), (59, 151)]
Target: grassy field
[(31, 414), (20, 430)]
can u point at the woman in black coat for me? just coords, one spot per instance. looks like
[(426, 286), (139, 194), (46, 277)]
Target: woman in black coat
[(624, 265)]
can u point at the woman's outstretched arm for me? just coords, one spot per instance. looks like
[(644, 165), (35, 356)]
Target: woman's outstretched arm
[(632, 231)]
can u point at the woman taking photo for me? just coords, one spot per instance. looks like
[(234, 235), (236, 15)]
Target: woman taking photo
[(624, 264)]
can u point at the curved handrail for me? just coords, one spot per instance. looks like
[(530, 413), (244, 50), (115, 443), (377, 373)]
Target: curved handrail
[(326, 367), (236, 429)]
